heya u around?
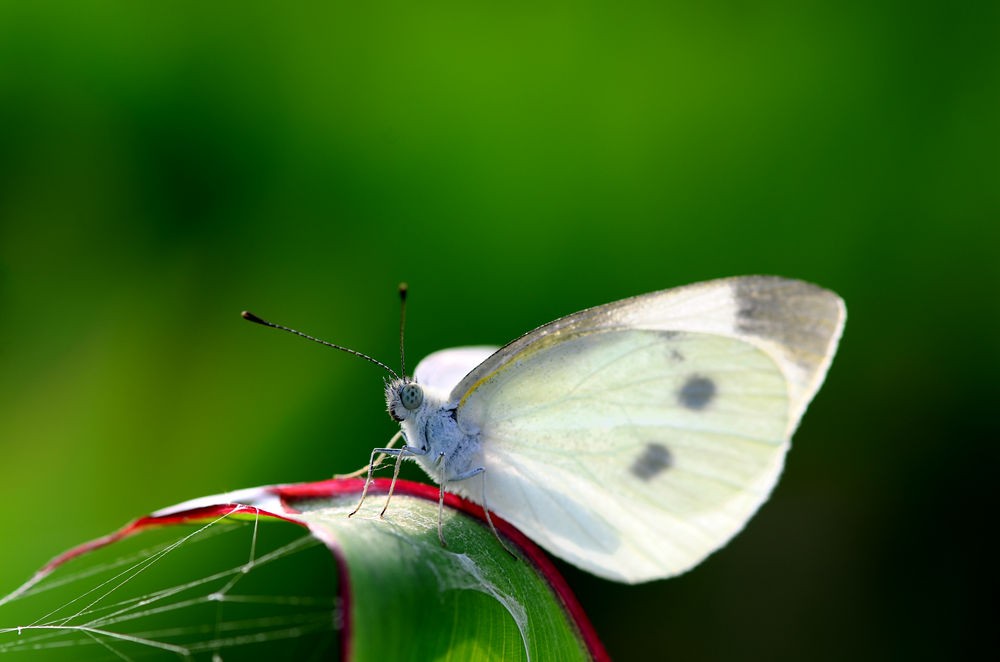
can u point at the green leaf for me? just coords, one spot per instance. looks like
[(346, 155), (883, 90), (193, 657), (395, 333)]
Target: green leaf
[(236, 576)]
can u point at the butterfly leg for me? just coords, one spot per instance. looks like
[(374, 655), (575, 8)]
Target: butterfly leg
[(398, 452), (378, 461), (441, 515), (478, 471), (395, 473)]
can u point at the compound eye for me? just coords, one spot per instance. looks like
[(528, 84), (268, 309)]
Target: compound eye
[(412, 396)]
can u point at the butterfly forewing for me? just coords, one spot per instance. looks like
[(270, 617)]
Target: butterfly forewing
[(635, 438), (797, 323)]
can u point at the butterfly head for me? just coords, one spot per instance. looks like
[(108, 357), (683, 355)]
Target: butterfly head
[(403, 397)]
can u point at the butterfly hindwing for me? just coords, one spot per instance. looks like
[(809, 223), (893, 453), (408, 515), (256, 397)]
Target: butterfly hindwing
[(443, 369)]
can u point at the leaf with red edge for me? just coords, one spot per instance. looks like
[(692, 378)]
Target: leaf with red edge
[(236, 576)]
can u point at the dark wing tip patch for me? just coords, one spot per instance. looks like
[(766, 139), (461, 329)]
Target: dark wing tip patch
[(802, 317), (654, 460), (697, 393)]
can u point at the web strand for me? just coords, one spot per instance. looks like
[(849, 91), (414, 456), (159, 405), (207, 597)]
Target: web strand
[(122, 606)]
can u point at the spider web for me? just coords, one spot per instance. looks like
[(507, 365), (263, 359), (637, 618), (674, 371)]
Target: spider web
[(237, 586)]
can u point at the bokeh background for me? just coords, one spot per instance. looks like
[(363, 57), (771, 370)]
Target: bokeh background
[(163, 167)]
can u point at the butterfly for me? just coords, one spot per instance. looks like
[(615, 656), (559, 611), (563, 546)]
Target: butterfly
[(631, 439)]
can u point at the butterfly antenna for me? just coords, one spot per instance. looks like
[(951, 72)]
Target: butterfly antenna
[(250, 317), (403, 287)]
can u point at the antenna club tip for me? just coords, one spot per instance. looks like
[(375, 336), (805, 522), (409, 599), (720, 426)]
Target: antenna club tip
[(250, 317)]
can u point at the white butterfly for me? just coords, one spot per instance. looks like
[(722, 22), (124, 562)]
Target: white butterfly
[(631, 439), (635, 438)]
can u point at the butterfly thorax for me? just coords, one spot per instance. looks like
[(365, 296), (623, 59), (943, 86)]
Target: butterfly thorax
[(430, 427)]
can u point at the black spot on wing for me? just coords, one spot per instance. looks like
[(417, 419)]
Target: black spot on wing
[(697, 392), (654, 459)]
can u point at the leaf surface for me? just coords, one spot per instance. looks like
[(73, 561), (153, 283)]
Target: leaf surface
[(236, 576)]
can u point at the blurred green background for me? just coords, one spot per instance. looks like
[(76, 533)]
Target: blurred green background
[(163, 167)]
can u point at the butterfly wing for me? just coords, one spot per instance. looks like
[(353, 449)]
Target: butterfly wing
[(444, 369), (634, 439)]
